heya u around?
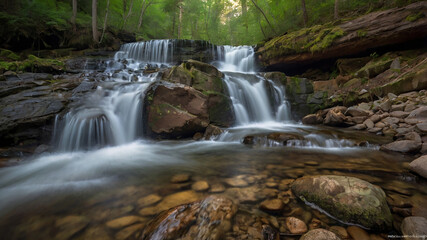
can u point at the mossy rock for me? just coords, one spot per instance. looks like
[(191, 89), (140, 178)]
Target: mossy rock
[(349, 199), (375, 67), (297, 85), (9, 55), (220, 109), (277, 77)]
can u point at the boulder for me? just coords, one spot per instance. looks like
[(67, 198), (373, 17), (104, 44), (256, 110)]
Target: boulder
[(334, 119), (379, 29), (403, 146), (220, 110), (356, 112), (319, 234), (414, 226), (209, 219), (176, 112), (419, 166), (311, 119), (349, 199)]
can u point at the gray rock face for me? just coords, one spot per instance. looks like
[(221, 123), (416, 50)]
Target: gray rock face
[(403, 146), (349, 199)]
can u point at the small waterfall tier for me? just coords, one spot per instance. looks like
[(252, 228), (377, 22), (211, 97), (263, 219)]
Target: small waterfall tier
[(254, 98)]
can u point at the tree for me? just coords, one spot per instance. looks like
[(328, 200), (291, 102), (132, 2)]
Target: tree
[(107, 10), (244, 14), (145, 5), (265, 16), (304, 12), (180, 7), (336, 10), (74, 16), (128, 14), (94, 20)]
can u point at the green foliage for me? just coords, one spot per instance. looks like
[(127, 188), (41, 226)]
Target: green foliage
[(219, 21)]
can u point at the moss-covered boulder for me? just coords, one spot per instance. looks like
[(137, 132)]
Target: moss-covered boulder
[(374, 67), (175, 112), (220, 109), (201, 76), (348, 199)]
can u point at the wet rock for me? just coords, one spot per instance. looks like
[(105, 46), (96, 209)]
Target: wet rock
[(419, 166), (149, 200), (403, 146), (126, 233), (359, 201), (212, 131), (272, 205), (217, 188), (70, 225), (319, 234), (236, 182), (334, 118), (356, 112), (176, 112), (124, 221), (220, 109), (180, 178), (414, 226), (170, 201), (95, 233), (295, 225), (311, 119), (206, 219), (200, 186), (357, 233), (243, 195), (339, 231)]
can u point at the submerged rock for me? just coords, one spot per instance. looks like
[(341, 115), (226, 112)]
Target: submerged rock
[(403, 146), (209, 218), (349, 199), (414, 226), (419, 166), (319, 234)]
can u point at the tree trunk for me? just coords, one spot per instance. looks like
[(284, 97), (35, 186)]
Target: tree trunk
[(336, 10), (94, 20), (304, 13), (144, 7), (180, 21), (173, 25), (74, 16), (244, 12), (262, 29), (128, 15), (265, 17), (105, 21)]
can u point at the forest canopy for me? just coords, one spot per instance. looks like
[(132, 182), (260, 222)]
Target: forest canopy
[(233, 22)]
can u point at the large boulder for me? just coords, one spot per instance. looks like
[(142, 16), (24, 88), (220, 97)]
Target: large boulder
[(349, 199), (175, 112), (220, 109), (209, 218), (317, 43), (201, 76)]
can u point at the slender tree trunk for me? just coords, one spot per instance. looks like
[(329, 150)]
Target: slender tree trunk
[(336, 16), (265, 17), (94, 20), (180, 21), (207, 23), (304, 13), (128, 14), (262, 30), (105, 21), (144, 7), (244, 12), (74, 16), (173, 25)]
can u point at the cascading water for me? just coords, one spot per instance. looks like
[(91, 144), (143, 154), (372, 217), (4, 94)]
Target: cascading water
[(154, 51), (254, 98)]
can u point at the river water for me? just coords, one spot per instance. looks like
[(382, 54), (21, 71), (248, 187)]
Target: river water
[(103, 166)]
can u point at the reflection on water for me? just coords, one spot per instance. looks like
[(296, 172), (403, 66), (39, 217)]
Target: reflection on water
[(93, 188)]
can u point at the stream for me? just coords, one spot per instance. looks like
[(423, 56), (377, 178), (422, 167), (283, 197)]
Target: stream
[(103, 166)]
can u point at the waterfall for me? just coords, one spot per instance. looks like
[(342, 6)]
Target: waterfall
[(254, 98), (154, 51), (106, 117)]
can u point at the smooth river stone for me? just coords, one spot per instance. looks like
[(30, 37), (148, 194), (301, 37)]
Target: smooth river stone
[(272, 205), (180, 178), (124, 221), (295, 225), (200, 186), (236, 182), (319, 234), (170, 201), (149, 200), (349, 199)]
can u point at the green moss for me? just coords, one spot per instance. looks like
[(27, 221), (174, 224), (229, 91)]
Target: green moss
[(35, 64), (361, 33), (9, 55), (312, 39), (414, 17), (8, 66)]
